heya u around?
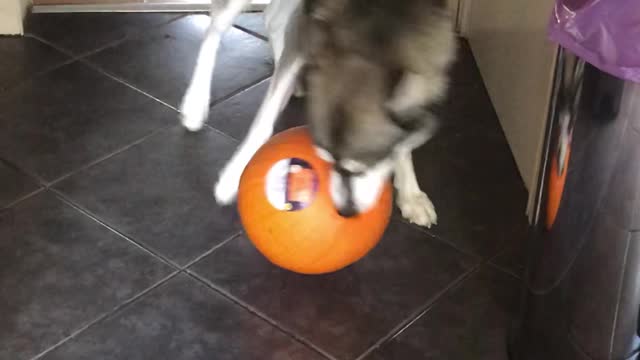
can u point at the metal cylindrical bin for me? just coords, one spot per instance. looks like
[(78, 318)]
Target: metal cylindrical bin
[(582, 285)]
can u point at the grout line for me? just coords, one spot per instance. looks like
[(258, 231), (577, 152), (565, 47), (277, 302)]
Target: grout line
[(210, 251), (21, 170), (51, 45), (227, 98), (48, 184), (133, 33), (619, 294), (581, 349), (38, 182), (124, 82), (82, 59), (99, 160), (500, 253), (18, 85), (441, 239), (23, 198), (421, 311), (136, 33), (251, 32), (95, 218), (21, 83), (234, 140), (242, 90), (140, 245), (415, 316), (107, 314), (141, 32), (82, 54), (492, 262), (222, 99), (456, 284), (260, 315), (504, 270)]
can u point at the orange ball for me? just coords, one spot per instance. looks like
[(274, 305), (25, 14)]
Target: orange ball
[(287, 212)]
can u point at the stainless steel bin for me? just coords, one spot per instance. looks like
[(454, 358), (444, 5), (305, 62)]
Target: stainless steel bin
[(581, 294)]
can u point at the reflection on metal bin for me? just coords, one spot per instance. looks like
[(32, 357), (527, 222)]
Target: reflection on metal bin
[(582, 285)]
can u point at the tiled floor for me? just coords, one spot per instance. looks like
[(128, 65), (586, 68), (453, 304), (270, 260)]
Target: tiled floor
[(111, 246)]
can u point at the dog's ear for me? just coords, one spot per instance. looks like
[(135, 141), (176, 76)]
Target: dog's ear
[(406, 105), (417, 127), (413, 119)]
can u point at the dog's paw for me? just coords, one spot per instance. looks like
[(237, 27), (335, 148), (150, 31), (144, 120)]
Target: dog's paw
[(226, 189), (418, 209), (194, 111)]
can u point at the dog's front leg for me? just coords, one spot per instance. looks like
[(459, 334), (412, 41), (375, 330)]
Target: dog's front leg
[(414, 204), (195, 104), (279, 93)]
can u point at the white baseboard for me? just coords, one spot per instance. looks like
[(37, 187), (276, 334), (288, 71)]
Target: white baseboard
[(150, 6)]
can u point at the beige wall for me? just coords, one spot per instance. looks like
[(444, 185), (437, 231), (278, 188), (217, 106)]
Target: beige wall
[(453, 6), (11, 14), (509, 41)]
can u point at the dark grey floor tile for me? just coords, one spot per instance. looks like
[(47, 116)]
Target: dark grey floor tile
[(160, 192), (513, 259), (470, 323), (464, 69), (253, 22), (235, 115), (346, 312), (162, 62), (183, 320), (71, 117), (60, 271), (467, 108), (80, 33), (22, 57), (14, 185), (469, 173)]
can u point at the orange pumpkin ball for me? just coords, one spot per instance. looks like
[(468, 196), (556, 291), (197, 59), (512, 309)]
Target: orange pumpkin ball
[(287, 212)]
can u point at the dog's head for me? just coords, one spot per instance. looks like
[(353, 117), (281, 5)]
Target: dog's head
[(366, 101)]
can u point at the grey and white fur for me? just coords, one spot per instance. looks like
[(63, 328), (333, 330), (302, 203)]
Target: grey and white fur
[(371, 69)]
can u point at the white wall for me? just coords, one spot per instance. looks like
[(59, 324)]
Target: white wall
[(11, 14), (509, 41)]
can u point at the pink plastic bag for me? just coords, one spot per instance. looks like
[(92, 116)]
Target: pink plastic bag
[(605, 33)]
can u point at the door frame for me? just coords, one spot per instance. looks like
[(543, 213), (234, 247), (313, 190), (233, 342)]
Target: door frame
[(12, 13)]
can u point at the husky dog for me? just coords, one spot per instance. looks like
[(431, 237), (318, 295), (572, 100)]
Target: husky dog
[(370, 69)]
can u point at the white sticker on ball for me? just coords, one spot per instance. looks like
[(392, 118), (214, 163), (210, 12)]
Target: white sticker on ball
[(291, 184)]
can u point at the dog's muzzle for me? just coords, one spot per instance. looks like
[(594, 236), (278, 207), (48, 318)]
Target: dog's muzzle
[(354, 193)]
